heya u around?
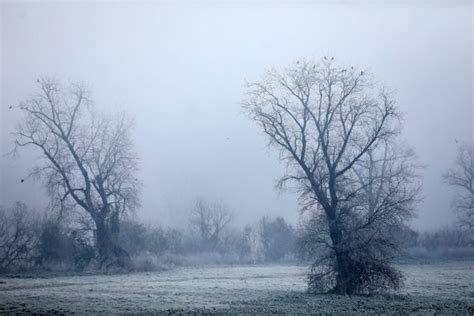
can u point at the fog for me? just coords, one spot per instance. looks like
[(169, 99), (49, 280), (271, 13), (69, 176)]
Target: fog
[(180, 70)]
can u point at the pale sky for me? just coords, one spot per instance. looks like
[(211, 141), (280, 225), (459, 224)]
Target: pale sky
[(179, 69)]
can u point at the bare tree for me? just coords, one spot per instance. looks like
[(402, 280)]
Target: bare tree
[(327, 122), (210, 221), (462, 178), (16, 235), (86, 160)]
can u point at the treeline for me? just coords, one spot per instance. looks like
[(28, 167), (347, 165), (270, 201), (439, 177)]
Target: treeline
[(451, 242), (29, 242)]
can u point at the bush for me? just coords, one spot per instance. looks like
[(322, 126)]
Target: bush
[(62, 248), (54, 244)]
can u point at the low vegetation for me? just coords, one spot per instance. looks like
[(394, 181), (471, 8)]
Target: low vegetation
[(29, 243)]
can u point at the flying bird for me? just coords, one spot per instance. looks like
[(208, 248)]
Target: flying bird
[(325, 58), (297, 62), (332, 58), (10, 107), (22, 180)]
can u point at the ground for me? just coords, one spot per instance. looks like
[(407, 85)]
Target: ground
[(441, 288)]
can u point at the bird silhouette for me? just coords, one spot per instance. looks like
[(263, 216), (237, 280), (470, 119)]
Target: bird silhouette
[(325, 58), (332, 58), (297, 62), (22, 180), (10, 107)]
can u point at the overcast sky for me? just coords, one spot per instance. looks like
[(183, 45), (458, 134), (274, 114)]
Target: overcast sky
[(180, 69)]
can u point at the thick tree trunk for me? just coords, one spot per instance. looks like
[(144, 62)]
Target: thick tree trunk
[(343, 278), (110, 254), (343, 266)]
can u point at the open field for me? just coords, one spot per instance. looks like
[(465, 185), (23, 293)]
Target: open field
[(430, 288)]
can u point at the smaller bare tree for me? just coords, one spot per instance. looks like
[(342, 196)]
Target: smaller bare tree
[(16, 235), (210, 221), (86, 160), (462, 178)]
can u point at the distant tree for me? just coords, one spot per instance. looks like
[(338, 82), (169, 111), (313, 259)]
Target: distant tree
[(245, 246), (250, 246), (277, 237), (327, 122), (86, 160), (462, 178), (210, 222), (17, 239)]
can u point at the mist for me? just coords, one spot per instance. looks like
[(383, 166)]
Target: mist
[(180, 69), (160, 131)]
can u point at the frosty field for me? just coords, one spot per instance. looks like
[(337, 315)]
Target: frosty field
[(430, 288)]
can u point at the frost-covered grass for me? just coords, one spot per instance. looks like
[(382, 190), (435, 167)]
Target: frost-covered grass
[(430, 288)]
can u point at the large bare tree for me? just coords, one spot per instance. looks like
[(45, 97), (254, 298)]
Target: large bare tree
[(334, 129), (86, 160), (462, 178)]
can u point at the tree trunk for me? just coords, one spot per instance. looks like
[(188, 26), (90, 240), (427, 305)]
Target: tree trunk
[(110, 254), (343, 266), (343, 278)]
